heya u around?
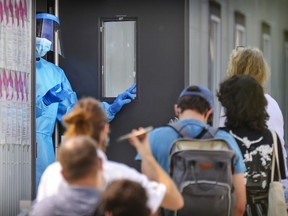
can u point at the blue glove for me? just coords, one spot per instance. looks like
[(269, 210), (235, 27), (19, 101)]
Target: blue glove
[(55, 94), (124, 98)]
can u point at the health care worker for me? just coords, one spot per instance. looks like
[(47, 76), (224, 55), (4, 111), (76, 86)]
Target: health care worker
[(54, 95)]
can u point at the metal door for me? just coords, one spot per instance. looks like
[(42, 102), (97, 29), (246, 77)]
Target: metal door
[(160, 60)]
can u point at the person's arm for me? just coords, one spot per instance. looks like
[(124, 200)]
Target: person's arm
[(173, 199), (70, 99), (240, 194), (40, 106)]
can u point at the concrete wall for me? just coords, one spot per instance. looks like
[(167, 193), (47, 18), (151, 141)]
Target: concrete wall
[(274, 13)]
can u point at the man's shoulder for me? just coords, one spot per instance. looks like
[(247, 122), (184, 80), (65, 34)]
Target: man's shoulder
[(52, 173), (171, 127), (45, 206), (173, 130), (223, 134), (51, 65), (163, 128), (162, 132)]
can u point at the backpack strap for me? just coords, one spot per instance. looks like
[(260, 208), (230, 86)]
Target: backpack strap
[(181, 130)]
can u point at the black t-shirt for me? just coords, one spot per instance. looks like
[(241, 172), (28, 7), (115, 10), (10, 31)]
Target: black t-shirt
[(256, 148)]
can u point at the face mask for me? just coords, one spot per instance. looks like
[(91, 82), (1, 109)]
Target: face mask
[(42, 47)]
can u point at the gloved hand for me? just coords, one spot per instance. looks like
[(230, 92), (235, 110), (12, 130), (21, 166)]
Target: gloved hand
[(124, 98), (55, 94)]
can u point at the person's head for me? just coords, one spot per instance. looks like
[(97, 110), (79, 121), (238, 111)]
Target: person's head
[(47, 27), (88, 118), (124, 198), (248, 61), (78, 159), (244, 103), (198, 99)]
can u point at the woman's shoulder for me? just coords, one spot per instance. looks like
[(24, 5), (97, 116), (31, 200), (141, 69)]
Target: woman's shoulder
[(275, 114), (271, 101)]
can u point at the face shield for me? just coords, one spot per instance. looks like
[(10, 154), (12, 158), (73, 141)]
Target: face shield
[(48, 27)]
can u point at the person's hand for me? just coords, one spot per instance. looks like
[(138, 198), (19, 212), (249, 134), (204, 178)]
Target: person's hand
[(140, 142), (55, 94), (142, 145), (124, 98)]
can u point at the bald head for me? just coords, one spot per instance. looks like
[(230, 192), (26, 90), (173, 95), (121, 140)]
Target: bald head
[(78, 158)]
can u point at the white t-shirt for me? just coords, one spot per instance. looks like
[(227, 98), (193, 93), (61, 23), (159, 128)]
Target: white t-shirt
[(275, 122), (52, 181)]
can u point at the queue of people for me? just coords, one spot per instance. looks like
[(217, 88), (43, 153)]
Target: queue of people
[(88, 118), (84, 182)]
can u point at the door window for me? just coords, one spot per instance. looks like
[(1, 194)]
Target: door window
[(118, 55)]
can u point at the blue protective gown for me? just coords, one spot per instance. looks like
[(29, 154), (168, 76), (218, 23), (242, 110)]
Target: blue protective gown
[(47, 76)]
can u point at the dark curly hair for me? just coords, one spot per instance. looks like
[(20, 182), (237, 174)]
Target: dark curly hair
[(244, 103)]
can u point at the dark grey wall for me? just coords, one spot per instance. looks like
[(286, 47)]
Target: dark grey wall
[(160, 60)]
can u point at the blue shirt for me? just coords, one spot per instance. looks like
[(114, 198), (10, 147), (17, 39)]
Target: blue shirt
[(162, 138)]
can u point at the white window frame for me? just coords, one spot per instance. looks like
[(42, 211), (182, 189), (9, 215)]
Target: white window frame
[(242, 30), (266, 41), (215, 71), (119, 56)]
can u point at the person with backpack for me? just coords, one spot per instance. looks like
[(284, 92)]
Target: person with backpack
[(246, 115), (194, 110)]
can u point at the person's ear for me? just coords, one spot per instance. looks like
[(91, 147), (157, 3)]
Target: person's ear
[(63, 174), (177, 110), (108, 213), (104, 133), (208, 113)]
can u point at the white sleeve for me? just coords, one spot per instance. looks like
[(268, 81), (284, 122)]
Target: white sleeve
[(276, 122), (50, 181), (155, 191)]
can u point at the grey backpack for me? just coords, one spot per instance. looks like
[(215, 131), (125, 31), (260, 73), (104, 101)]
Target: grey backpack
[(202, 169)]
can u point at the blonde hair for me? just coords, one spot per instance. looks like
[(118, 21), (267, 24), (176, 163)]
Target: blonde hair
[(86, 118), (248, 61)]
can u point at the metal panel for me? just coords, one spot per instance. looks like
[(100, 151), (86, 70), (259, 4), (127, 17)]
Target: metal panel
[(16, 98), (160, 74)]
